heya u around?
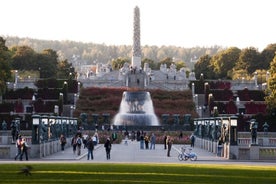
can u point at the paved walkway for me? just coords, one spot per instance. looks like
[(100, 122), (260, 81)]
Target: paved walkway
[(130, 152)]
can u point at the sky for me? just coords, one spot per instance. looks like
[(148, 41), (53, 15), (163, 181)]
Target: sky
[(183, 23)]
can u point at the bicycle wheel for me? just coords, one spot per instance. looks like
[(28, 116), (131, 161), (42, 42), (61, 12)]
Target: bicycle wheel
[(180, 157), (194, 158)]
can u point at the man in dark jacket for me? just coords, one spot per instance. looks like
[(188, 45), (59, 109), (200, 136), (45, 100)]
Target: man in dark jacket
[(107, 146), (90, 148)]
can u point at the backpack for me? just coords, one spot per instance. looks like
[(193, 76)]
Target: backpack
[(79, 141)]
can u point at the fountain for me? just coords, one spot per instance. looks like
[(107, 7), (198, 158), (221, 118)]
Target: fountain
[(136, 109)]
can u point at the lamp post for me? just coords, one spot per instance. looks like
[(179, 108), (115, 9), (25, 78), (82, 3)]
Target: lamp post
[(256, 79), (233, 130), (201, 76), (36, 129), (193, 89)]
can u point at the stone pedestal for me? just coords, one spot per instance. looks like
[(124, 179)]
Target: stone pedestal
[(265, 141), (4, 138), (254, 152)]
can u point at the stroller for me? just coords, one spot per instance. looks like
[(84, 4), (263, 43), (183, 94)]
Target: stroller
[(184, 155)]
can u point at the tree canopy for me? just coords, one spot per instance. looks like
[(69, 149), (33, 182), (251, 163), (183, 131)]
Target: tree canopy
[(233, 63), (5, 69), (271, 90)]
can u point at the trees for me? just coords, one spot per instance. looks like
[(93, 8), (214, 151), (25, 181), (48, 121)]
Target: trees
[(267, 56), (48, 63), (271, 90), (203, 66), (151, 63), (224, 62), (168, 61), (65, 70), (231, 63), (119, 63), (5, 58), (24, 58), (249, 60)]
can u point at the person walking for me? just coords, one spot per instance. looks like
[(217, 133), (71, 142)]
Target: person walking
[(79, 143), (24, 149), (142, 141), (165, 141), (152, 141), (62, 141), (192, 139), (18, 146), (169, 144), (84, 140), (74, 144), (90, 148), (107, 146)]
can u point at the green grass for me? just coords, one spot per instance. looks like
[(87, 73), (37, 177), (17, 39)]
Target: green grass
[(137, 173)]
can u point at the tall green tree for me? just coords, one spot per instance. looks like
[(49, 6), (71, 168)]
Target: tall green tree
[(224, 62), (24, 58), (5, 69), (267, 56), (65, 70), (249, 60), (271, 90), (48, 63), (203, 66)]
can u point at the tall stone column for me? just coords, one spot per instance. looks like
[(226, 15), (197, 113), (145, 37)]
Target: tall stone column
[(136, 48)]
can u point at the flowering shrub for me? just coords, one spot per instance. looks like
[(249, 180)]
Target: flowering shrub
[(107, 100)]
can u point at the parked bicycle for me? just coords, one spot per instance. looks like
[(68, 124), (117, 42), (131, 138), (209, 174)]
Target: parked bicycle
[(184, 155)]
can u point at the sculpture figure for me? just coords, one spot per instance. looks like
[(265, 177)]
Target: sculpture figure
[(4, 125), (253, 128), (265, 127)]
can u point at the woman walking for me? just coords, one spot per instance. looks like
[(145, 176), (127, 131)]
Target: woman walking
[(107, 146)]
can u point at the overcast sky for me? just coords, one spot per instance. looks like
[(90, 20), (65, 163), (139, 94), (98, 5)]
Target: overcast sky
[(184, 23)]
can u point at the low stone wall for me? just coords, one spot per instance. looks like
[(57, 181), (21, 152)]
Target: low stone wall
[(244, 151), (8, 151)]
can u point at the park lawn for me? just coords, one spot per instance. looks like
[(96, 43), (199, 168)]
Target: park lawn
[(136, 173)]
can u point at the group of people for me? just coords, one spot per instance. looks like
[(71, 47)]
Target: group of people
[(168, 141), (88, 142), (146, 140), (22, 148)]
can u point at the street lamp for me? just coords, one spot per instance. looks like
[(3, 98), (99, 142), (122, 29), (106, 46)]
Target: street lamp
[(35, 129), (193, 89), (256, 79), (233, 130), (201, 76)]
